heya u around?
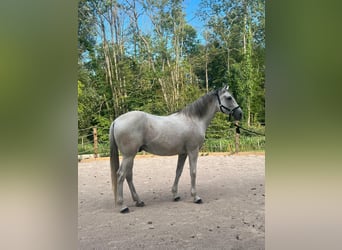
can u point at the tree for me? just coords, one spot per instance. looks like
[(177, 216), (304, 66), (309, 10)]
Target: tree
[(236, 31)]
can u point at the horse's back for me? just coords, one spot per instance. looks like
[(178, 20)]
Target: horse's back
[(130, 116)]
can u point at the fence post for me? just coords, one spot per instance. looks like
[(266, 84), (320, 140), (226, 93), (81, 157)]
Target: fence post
[(95, 142), (237, 139)]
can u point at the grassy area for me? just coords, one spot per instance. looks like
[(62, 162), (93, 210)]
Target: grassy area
[(228, 145)]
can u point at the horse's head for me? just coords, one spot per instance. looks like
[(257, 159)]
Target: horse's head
[(227, 103)]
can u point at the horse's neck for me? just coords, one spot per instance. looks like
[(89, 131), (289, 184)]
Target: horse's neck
[(211, 111)]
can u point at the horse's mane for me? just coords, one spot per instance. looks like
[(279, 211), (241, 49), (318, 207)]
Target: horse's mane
[(199, 107)]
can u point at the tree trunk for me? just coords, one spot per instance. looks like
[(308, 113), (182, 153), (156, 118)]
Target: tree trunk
[(206, 63)]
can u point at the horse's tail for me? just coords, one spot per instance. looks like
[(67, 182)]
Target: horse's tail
[(114, 160)]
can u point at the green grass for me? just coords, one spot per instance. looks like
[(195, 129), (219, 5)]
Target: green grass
[(228, 145)]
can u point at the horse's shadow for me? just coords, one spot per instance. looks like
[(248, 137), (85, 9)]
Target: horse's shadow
[(163, 198)]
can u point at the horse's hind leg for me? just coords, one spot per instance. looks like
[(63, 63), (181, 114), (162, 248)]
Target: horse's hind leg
[(135, 197), (126, 165), (180, 166)]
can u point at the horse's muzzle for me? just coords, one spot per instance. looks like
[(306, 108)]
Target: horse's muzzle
[(237, 114)]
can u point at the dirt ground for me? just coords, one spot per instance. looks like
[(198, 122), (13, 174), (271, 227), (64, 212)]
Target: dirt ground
[(232, 215)]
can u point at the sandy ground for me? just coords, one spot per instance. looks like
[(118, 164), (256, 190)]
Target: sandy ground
[(231, 217)]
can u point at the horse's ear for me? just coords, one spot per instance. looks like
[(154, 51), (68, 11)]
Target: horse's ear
[(225, 87)]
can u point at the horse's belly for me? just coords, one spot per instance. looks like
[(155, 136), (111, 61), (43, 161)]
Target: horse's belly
[(164, 149), (173, 145)]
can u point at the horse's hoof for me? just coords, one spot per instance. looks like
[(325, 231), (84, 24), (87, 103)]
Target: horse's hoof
[(198, 201), (176, 198), (124, 210), (139, 204)]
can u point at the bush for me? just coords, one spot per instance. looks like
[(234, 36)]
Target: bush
[(247, 143)]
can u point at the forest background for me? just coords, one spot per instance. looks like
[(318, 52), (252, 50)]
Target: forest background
[(151, 55)]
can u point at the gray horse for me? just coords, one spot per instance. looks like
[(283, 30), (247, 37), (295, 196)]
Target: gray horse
[(181, 134)]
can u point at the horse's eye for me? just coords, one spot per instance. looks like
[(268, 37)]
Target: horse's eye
[(229, 98)]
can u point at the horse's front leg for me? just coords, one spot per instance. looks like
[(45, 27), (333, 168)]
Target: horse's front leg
[(193, 156), (180, 166)]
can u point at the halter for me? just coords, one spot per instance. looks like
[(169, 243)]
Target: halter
[(224, 107)]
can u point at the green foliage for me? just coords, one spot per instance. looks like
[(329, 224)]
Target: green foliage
[(103, 124), (81, 106), (219, 127), (228, 145)]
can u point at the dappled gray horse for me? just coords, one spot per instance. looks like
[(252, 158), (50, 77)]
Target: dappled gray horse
[(181, 134)]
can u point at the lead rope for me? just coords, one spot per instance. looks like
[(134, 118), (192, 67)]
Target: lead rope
[(250, 131)]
